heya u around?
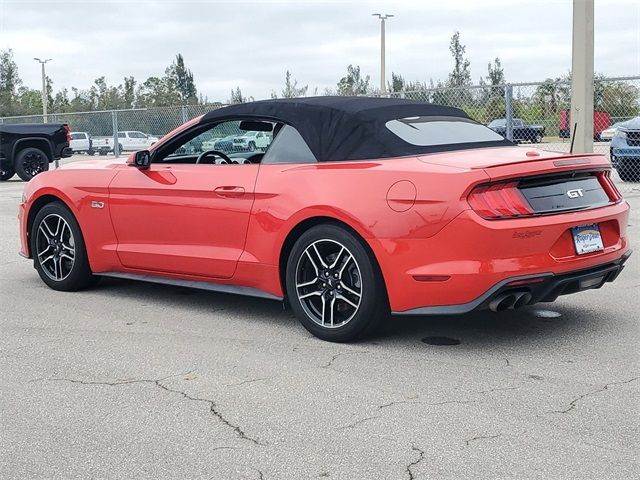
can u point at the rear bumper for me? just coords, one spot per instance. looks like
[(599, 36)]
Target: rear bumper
[(545, 287), (471, 256)]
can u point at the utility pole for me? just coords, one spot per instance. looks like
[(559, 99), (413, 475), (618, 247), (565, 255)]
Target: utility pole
[(44, 88), (383, 17), (582, 77)]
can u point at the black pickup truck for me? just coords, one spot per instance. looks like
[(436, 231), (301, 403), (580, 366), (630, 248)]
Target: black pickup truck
[(28, 148), (521, 132)]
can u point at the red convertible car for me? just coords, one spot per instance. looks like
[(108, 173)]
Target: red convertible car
[(357, 207)]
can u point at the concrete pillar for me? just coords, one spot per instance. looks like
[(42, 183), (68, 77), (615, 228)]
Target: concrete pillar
[(582, 77)]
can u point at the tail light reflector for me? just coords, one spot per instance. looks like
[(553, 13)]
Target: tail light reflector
[(499, 200), (68, 130)]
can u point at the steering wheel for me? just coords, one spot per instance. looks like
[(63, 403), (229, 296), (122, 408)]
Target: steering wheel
[(202, 158)]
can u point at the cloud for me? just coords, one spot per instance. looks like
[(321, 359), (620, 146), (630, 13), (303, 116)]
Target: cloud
[(252, 44)]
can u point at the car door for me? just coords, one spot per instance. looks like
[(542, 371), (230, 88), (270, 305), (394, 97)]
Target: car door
[(130, 142), (138, 141), (186, 219)]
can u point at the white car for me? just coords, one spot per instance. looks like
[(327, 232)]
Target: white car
[(129, 141), (81, 142), (252, 141), (608, 133)]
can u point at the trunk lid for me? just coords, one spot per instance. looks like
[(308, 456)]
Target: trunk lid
[(518, 159), (527, 181)]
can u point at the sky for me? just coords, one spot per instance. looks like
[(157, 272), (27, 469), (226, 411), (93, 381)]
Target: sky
[(251, 44)]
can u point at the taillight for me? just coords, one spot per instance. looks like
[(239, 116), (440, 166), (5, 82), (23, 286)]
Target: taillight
[(499, 200), (68, 130), (609, 187)]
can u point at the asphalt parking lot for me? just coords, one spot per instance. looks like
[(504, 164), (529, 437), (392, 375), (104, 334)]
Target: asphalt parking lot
[(133, 380)]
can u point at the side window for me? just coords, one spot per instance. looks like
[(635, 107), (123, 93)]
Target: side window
[(121, 135), (230, 142), (289, 147)]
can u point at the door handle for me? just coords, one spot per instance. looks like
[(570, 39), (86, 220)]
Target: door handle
[(229, 191)]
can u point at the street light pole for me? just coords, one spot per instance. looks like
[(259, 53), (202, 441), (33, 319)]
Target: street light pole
[(44, 88), (382, 17)]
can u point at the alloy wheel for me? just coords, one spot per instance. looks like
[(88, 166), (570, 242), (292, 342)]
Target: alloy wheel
[(33, 164), (328, 283), (55, 247)]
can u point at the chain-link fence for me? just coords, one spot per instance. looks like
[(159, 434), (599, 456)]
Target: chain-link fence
[(528, 113), (539, 114)]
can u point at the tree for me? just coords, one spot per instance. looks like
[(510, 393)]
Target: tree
[(49, 93), (547, 95), (157, 92), (495, 73), (128, 92), (29, 101), (106, 97), (291, 89), (181, 78), (61, 103), (461, 74), (353, 83), (237, 97), (80, 101), (620, 99), (9, 83), (397, 83)]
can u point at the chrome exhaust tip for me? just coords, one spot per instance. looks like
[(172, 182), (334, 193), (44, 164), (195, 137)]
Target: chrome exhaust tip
[(522, 299), (502, 302)]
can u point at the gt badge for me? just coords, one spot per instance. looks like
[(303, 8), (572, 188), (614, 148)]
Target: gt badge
[(575, 193)]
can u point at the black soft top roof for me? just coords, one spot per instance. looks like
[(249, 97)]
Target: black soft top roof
[(348, 128)]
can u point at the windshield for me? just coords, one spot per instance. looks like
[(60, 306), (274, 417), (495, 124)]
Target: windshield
[(430, 131)]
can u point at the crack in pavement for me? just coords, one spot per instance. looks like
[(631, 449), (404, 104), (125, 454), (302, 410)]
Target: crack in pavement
[(480, 437), (445, 402), (573, 402), (413, 464), (358, 422), (247, 381), (496, 389), (337, 355), (213, 407)]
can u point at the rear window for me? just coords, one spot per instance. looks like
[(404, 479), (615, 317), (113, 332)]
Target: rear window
[(77, 136), (431, 131)]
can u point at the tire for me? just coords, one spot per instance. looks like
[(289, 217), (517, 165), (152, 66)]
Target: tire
[(353, 290), (252, 147), (91, 152), (537, 139), (30, 162), (120, 149), (56, 233), (6, 173)]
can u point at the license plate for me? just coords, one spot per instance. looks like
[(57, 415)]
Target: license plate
[(587, 239)]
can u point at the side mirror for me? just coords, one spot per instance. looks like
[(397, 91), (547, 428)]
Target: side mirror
[(142, 159)]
